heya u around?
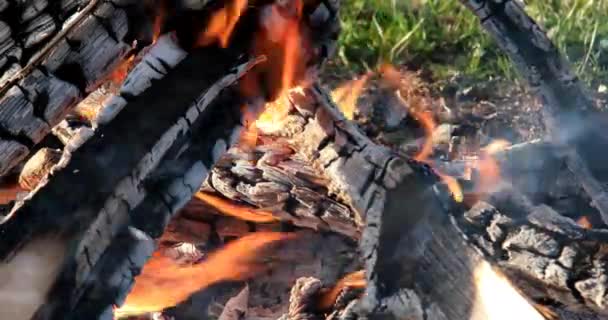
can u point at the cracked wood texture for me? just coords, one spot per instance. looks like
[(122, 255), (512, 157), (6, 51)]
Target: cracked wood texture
[(451, 262), (320, 171), (52, 54), (568, 112), (132, 145), (158, 157), (422, 258)]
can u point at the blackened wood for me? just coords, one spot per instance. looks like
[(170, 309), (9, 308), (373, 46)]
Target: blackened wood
[(50, 69), (447, 264), (132, 145), (567, 102)]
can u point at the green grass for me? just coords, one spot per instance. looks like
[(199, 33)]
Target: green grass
[(444, 37)]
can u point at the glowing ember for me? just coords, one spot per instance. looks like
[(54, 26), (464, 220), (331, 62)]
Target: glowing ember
[(228, 207), (497, 299), (275, 114), (9, 191), (119, 74), (163, 283), (347, 94), (584, 222), (222, 23), (353, 280)]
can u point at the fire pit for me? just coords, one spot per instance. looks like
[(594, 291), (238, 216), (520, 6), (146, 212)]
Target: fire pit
[(180, 160)]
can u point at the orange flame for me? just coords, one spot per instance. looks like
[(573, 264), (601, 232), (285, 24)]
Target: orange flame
[(250, 134), (222, 23), (119, 74), (274, 114), (487, 165), (496, 146), (159, 20), (584, 222), (427, 122), (453, 186), (282, 29), (353, 280), (393, 78), (291, 54), (347, 94), (238, 211), (163, 283), (390, 75)]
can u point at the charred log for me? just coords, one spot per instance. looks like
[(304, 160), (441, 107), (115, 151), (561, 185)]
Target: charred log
[(567, 103), (157, 160), (416, 241), (133, 146)]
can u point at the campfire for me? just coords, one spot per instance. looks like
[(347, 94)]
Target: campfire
[(180, 160)]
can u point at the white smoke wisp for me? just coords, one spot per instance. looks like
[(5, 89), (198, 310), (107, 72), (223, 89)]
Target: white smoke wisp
[(26, 279)]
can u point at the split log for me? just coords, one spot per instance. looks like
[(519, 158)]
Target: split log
[(133, 144), (568, 109)]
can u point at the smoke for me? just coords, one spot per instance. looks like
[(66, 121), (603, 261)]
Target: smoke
[(26, 279)]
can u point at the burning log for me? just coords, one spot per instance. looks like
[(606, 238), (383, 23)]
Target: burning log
[(415, 241), (157, 165), (411, 238), (347, 167), (542, 254), (109, 200), (566, 101)]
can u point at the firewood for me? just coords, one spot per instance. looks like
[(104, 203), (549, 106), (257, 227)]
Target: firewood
[(345, 161), (542, 254), (51, 72), (549, 75), (409, 233), (152, 177), (112, 197)]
